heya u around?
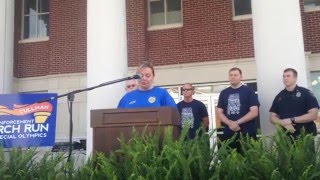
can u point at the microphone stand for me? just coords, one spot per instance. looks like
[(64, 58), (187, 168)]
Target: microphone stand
[(70, 96)]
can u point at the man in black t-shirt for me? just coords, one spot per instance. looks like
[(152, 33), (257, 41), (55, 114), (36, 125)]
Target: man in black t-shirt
[(294, 107), (237, 108), (193, 112)]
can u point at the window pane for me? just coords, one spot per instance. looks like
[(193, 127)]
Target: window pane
[(174, 5), (43, 25), (173, 11), (30, 23), (43, 6), (312, 2), (315, 84), (157, 12), (242, 7), (30, 7)]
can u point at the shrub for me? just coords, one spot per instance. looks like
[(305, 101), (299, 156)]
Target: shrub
[(152, 156)]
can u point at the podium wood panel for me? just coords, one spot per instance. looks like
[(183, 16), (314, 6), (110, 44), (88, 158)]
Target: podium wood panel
[(109, 124)]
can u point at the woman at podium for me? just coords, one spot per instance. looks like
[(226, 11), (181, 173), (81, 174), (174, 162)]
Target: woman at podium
[(146, 95)]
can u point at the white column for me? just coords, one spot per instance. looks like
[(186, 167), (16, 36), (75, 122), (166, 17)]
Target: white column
[(6, 45), (278, 44), (107, 55)]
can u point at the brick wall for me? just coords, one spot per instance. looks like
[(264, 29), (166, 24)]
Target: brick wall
[(136, 31), (66, 50), (208, 34), (312, 31)]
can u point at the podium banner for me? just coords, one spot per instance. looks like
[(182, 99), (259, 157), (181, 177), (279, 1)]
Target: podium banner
[(25, 123)]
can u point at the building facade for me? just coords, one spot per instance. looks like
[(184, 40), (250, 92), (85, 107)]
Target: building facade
[(194, 41)]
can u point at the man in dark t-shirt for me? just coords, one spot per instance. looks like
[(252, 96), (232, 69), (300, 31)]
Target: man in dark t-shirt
[(193, 112), (237, 108), (295, 107)]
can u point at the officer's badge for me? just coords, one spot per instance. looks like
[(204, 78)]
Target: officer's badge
[(152, 99), (298, 94)]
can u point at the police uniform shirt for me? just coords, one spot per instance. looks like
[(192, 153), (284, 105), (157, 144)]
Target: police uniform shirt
[(288, 104)]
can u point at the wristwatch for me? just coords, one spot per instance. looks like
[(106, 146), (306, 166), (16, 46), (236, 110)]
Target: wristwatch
[(292, 120)]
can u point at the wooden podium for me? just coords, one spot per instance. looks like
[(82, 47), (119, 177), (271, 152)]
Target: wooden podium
[(109, 124)]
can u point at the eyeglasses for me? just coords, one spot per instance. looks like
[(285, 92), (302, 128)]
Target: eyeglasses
[(131, 86), (190, 89)]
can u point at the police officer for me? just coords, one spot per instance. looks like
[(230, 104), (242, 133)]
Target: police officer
[(294, 107)]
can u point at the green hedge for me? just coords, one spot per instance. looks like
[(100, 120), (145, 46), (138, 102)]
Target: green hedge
[(150, 156)]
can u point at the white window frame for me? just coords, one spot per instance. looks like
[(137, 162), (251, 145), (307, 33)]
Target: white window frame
[(311, 8), (240, 17), (316, 72), (163, 26), (35, 39)]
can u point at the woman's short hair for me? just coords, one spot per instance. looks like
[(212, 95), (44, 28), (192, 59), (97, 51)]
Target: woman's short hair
[(146, 64)]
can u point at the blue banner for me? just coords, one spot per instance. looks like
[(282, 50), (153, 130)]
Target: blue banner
[(26, 123)]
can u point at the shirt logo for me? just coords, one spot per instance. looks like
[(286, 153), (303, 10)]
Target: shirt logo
[(152, 99), (187, 117), (298, 94), (132, 102), (234, 104)]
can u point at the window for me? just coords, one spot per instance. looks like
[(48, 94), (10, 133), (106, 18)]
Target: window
[(315, 88), (164, 12), (35, 22), (311, 2), (241, 7), (315, 84), (311, 5)]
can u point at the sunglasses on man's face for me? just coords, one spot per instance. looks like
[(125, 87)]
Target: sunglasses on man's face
[(131, 86), (187, 89)]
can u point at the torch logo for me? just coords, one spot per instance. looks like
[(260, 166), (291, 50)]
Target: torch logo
[(41, 111)]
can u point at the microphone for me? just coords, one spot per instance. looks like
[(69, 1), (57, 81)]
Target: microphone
[(136, 76)]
